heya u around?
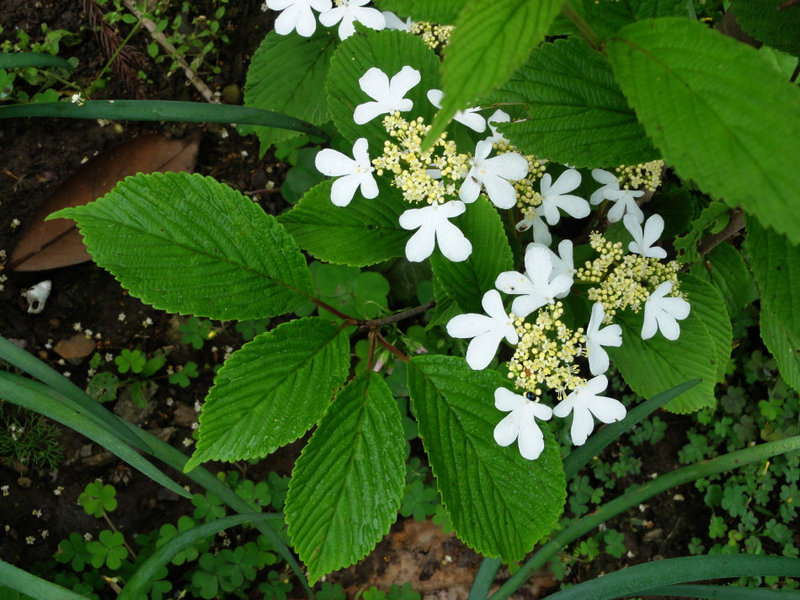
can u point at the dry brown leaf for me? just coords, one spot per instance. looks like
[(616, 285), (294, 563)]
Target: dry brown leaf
[(57, 243), (77, 346)]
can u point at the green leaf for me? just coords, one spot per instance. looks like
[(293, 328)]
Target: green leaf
[(361, 295), (765, 21), (271, 391), (726, 270), (347, 484), (500, 503), (435, 11), (286, 75), (651, 366), (490, 40), (717, 112), (390, 51), (189, 244), (607, 16), (364, 232), (776, 266), (708, 306), (637, 580), (567, 87), (713, 219), (466, 281)]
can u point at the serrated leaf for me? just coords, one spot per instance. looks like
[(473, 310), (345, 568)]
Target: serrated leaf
[(500, 503), (713, 219), (390, 51), (436, 11), (766, 21), (286, 75), (776, 267), (716, 113), (347, 485), (566, 87), (467, 281), (652, 366), (271, 391), (364, 232), (708, 306), (607, 16), (725, 269), (490, 40), (192, 245)]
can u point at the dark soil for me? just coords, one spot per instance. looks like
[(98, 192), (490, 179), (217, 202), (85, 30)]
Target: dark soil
[(35, 157)]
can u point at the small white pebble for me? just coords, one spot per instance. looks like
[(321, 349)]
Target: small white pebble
[(61, 362), (37, 296), (67, 374), (678, 498)]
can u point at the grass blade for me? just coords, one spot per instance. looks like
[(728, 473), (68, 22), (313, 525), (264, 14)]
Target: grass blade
[(41, 399), (138, 584), (633, 581), (18, 60), (34, 586), (161, 110), (721, 592)]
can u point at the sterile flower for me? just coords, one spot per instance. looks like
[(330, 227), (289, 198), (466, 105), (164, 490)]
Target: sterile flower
[(349, 11), (643, 240), (562, 262), (555, 196), (624, 200), (486, 332), (468, 117), (434, 225), (396, 23), (662, 313), (533, 218), (494, 174), (535, 287), (388, 95), (498, 116), (520, 424), (297, 15), (352, 172), (583, 402), (596, 338)]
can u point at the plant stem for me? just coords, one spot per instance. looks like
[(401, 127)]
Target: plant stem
[(402, 315), (577, 529), (392, 349), (582, 26), (114, 529), (734, 226), (113, 57), (162, 41)]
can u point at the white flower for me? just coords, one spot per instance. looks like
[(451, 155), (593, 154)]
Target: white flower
[(352, 172), (562, 262), (388, 95), (494, 174), (624, 200), (498, 116), (532, 218), (485, 331), (555, 196), (349, 11), (584, 402), (596, 338), (297, 15), (535, 287), (662, 313), (396, 23), (643, 240), (433, 224), (468, 117), (520, 424)]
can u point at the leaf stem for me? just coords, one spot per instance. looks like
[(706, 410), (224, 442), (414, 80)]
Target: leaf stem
[(734, 226), (115, 530), (582, 26), (392, 349)]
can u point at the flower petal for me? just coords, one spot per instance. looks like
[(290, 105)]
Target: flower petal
[(371, 17), (507, 430), (582, 426), (472, 120), (566, 182), (343, 190), (452, 242), (470, 189), (468, 325), (514, 282), (364, 113), (509, 165), (405, 79), (500, 192), (435, 97), (420, 245), (607, 410), (330, 17), (531, 440), (482, 349), (507, 400), (369, 187), (333, 163), (375, 83), (414, 217)]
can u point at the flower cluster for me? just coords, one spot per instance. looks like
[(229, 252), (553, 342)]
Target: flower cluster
[(550, 356), (441, 179)]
